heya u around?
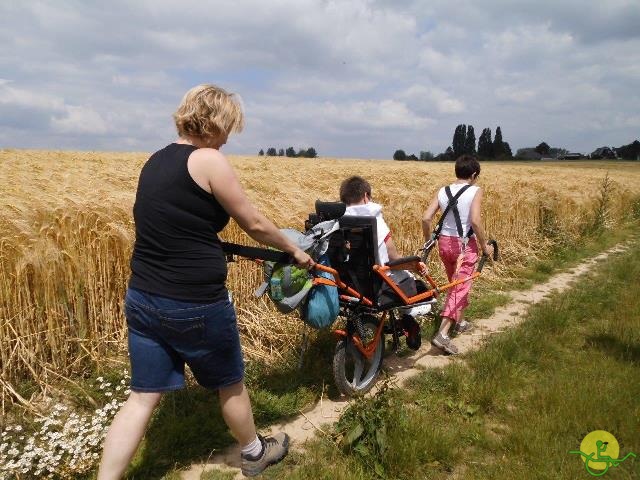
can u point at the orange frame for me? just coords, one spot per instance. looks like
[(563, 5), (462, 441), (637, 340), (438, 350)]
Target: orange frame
[(413, 265)]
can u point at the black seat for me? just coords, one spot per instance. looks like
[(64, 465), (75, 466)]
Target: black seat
[(353, 251)]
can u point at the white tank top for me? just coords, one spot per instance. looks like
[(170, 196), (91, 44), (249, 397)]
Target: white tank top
[(464, 208)]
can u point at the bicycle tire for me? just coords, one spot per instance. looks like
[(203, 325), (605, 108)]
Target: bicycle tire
[(345, 353)]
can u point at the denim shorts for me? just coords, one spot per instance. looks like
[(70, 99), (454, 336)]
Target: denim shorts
[(164, 334)]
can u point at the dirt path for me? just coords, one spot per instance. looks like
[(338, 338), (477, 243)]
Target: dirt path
[(327, 411)]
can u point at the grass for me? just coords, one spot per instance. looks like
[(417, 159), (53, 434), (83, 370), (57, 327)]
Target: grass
[(516, 407), (188, 425)]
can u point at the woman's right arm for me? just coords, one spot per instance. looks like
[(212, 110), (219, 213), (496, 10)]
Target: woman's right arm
[(427, 218), (228, 191)]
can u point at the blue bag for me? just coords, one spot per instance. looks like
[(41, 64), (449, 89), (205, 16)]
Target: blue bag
[(323, 304)]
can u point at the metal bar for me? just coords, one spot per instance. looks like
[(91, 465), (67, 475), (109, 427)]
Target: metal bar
[(256, 253)]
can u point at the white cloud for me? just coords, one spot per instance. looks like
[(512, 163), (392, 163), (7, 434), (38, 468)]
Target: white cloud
[(20, 97), (387, 114), (440, 64), (356, 77), (433, 98), (515, 94), (150, 80), (78, 119)]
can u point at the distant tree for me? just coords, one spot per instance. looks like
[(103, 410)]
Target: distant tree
[(543, 149), (426, 156), (459, 139), (261, 152), (290, 152), (629, 152), (507, 150), (399, 155), (498, 144), (485, 146), (271, 152), (558, 152), (412, 157), (281, 152), (446, 156), (302, 153), (449, 152), (311, 152), (470, 141)]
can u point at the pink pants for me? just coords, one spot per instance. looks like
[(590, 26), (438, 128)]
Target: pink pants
[(458, 296)]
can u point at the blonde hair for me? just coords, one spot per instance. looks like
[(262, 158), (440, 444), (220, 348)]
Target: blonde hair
[(207, 111)]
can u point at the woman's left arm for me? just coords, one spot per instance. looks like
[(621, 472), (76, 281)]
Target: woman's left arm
[(227, 189)]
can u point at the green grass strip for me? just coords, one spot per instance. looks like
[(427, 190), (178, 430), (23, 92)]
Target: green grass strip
[(516, 407)]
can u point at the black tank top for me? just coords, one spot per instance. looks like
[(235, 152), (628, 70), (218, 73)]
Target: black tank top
[(177, 253)]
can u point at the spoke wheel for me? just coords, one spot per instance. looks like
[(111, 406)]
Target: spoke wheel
[(353, 372)]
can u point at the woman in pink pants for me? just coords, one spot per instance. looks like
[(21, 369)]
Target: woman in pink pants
[(458, 243)]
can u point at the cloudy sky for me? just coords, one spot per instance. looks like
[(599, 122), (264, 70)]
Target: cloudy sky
[(356, 78)]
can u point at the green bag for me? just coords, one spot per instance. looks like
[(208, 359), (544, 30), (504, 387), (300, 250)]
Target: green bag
[(287, 285)]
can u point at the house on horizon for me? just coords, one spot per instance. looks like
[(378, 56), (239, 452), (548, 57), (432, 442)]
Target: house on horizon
[(604, 152), (531, 154), (572, 156), (528, 154)]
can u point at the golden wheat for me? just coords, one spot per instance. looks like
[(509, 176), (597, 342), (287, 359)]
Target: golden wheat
[(66, 234)]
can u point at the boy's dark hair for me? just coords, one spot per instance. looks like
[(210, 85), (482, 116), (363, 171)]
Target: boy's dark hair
[(466, 166), (353, 189)]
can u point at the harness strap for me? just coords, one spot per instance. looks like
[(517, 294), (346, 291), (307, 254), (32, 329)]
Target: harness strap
[(452, 206)]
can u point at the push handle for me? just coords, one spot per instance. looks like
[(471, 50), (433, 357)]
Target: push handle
[(484, 258), (256, 253)]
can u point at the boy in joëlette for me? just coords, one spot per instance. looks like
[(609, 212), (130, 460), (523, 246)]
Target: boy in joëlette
[(355, 192)]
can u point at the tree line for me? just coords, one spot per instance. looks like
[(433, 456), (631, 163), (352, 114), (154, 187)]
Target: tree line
[(488, 148), (289, 152), (464, 142), (543, 150)]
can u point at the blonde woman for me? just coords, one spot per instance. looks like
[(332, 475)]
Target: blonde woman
[(177, 306)]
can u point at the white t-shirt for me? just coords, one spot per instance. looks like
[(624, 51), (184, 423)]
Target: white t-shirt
[(464, 209), (372, 209)]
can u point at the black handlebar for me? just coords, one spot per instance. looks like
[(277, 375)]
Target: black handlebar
[(256, 253), (426, 250), (484, 258)]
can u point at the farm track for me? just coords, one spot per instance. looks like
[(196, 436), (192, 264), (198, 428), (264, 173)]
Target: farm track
[(327, 411)]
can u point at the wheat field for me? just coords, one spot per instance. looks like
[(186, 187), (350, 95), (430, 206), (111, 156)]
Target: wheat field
[(66, 233)]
